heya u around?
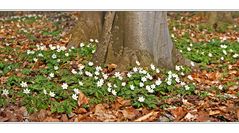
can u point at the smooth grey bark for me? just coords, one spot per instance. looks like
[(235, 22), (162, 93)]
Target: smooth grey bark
[(142, 36)]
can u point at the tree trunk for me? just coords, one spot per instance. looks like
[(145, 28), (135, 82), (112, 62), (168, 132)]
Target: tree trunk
[(131, 36), (89, 26), (215, 19)]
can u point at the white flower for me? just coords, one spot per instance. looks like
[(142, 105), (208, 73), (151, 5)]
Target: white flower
[(52, 47), (182, 73), (190, 44), (115, 86), (222, 58), (73, 71), (135, 69), (7, 44), (90, 63), (5, 92), (151, 91), (172, 35), (96, 77), (109, 89), (223, 38), (152, 66), (182, 83), (97, 73), (96, 41), (177, 68), (129, 74), (80, 83), (137, 62), (157, 70), (114, 92), (152, 86), (141, 99), (170, 73), (120, 78), (26, 91), (64, 86), (117, 74), (66, 54), (105, 76), (81, 67), (30, 52), (74, 96), (56, 67), (177, 79), (189, 49), (123, 83), (98, 68), (210, 54), (187, 87), (24, 84), (93, 51), (82, 44), (142, 71), (141, 84), (192, 64), (76, 91), (91, 40), (40, 55), (190, 77), (235, 55), (143, 79), (52, 94), (63, 48), (51, 75), (109, 85), (147, 87), (148, 76), (44, 91), (158, 82), (58, 60), (169, 82), (100, 83), (35, 59), (223, 46), (220, 87), (224, 52), (174, 75), (132, 87), (53, 56), (88, 74)]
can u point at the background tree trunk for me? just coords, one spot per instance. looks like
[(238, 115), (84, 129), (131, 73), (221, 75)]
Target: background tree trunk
[(142, 36), (89, 26)]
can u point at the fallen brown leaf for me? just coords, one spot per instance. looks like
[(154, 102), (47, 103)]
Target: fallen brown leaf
[(178, 113), (145, 117), (82, 99), (215, 112)]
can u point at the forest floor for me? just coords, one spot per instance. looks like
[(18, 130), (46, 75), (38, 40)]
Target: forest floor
[(41, 80)]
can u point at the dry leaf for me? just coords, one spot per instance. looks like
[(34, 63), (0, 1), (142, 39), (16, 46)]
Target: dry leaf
[(82, 99), (145, 117), (202, 116), (178, 113), (214, 112)]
